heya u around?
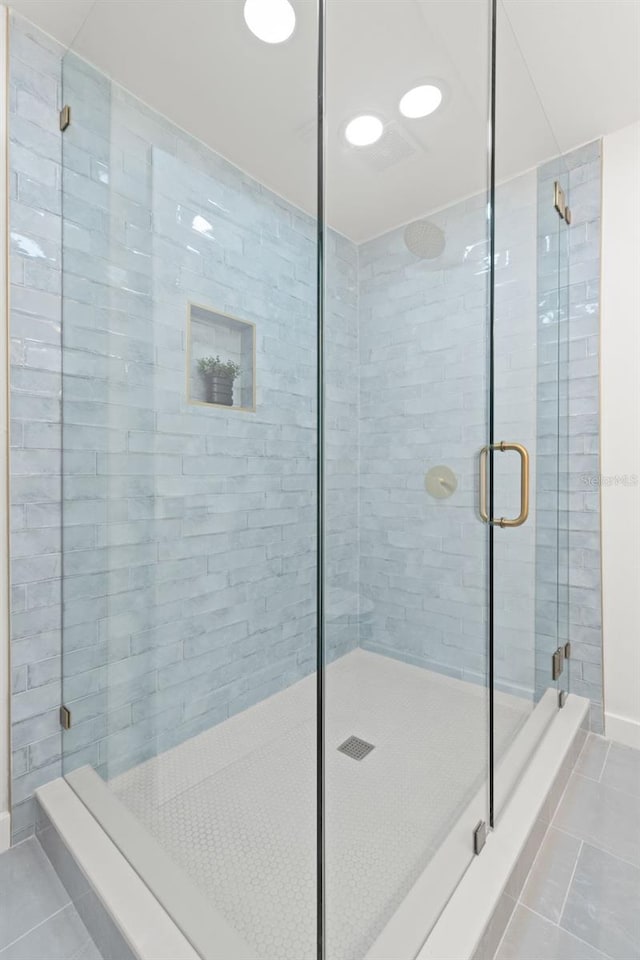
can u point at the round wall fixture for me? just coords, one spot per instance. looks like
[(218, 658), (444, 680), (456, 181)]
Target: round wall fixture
[(364, 130), (424, 239), (272, 21), (440, 482)]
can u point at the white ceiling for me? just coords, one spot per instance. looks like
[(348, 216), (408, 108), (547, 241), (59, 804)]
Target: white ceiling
[(568, 71)]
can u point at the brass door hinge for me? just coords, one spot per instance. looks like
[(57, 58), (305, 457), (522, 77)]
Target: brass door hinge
[(65, 718), (560, 203), (65, 118), (557, 663)]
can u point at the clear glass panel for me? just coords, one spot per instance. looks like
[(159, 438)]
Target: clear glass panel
[(529, 410), (189, 186), (191, 438), (407, 625), (565, 487)]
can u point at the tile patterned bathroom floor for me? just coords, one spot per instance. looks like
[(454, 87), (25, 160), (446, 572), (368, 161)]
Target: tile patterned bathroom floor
[(581, 900), (37, 918)]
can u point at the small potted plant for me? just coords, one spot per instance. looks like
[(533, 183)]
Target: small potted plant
[(218, 376)]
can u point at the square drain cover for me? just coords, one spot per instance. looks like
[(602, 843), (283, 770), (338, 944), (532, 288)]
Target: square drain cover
[(356, 748)]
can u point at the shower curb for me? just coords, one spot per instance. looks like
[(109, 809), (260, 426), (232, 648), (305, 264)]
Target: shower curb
[(127, 921), (121, 914), (475, 918)]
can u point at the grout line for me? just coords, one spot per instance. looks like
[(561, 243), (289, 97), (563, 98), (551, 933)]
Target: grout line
[(614, 856), (568, 932), (533, 865), (607, 786), (518, 899), (36, 927), (554, 812), (87, 943), (505, 931), (590, 842), (604, 762), (550, 826), (569, 885), (589, 739)]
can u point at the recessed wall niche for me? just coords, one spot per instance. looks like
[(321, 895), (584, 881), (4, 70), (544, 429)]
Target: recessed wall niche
[(219, 346)]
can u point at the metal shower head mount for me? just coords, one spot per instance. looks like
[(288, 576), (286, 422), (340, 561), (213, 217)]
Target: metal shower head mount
[(424, 239)]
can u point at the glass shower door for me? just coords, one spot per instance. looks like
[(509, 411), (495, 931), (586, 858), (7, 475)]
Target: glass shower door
[(406, 629), (529, 529)]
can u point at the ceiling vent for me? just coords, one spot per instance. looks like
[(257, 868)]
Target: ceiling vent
[(393, 147)]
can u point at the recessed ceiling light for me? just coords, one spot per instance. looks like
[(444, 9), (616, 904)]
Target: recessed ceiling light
[(272, 21), (364, 130), (421, 101)]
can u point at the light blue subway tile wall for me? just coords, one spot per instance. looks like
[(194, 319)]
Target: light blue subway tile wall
[(551, 615), (35, 235), (194, 597), (189, 533), (424, 325), (424, 350), (424, 387), (568, 589), (189, 588), (583, 403), (423, 403)]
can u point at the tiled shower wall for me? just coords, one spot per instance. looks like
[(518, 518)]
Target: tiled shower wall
[(189, 532), (583, 401), (423, 383), (192, 595), (36, 248), (422, 559), (568, 412), (138, 461)]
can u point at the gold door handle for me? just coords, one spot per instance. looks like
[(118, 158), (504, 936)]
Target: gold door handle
[(524, 484), (484, 510)]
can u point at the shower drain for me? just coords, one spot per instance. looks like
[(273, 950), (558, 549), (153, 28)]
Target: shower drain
[(356, 748)]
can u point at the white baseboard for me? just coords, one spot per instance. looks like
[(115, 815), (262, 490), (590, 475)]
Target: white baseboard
[(622, 729), (5, 830)]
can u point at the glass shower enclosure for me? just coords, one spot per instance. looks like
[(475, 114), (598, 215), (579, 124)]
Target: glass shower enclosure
[(314, 443)]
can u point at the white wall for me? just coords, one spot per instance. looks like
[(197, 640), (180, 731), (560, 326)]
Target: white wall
[(620, 378), (4, 440)]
